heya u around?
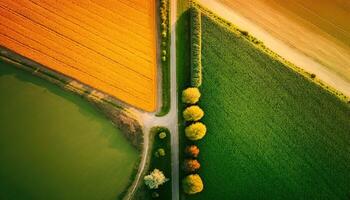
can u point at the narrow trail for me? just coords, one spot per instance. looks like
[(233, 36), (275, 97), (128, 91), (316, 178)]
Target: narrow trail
[(170, 120)]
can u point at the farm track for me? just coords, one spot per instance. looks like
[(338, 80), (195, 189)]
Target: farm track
[(109, 45), (170, 120)]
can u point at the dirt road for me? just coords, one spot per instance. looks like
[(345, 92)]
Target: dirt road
[(170, 120)]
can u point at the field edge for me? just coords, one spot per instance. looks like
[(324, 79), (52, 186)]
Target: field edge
[(260, 45)]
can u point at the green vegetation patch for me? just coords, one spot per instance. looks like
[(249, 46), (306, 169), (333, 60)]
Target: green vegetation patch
[(196, 35), (165, 40), (162, 161), (55, 145), (160, 158), (183, 59), (272, 134)]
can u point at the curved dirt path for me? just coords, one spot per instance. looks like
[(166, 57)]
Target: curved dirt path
[(170, 120), (291, 54)]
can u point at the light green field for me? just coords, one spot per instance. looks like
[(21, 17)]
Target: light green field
[(55, 145)]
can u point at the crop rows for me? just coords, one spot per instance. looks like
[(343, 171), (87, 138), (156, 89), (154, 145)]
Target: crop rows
[(273, 134), (109, 45)]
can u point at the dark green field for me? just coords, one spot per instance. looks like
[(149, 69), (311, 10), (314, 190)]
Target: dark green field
[(271, 133), (161, 163)]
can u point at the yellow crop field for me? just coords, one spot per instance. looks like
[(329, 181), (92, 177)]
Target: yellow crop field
[(106, 44)]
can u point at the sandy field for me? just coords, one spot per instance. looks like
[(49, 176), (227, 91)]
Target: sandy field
[(107, 44), (313, 35)]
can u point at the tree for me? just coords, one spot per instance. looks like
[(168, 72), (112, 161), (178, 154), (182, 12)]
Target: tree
[(191, 165), (164, 25), (195, 131), (191, 95), (161, 152), (192, 184), (164, 34), (192, 151), (193, 113), (162, 135), (164, 52), (155, 179)]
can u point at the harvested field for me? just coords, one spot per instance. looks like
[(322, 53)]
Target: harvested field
[(314, 35), (319, 30), (109, 45)]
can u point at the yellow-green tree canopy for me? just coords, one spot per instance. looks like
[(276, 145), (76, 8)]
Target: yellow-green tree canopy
[(193, 113), (162, 135), (161, 152), (192, 184), (195, 131), (191, 95)]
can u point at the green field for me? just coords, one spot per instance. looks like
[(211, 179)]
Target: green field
[(272, 134), (55, 145)]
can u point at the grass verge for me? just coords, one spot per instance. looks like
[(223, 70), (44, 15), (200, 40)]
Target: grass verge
[(165, 64), (161, 163), (183, 52)]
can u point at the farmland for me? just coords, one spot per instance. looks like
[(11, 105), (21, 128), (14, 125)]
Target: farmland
[(109, 45), (312, 36), (55, 145), (302, 23), (272, 134)]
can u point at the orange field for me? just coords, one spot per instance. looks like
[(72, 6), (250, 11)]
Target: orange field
[(107, 44)]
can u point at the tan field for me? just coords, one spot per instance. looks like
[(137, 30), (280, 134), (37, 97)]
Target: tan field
[(107, 44), (320, 29), (315, 35)]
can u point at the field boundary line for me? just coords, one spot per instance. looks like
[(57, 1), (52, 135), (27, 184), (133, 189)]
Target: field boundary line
[(260, 45)]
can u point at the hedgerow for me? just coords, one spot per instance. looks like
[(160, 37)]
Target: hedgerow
[(196, 63), (164, 12), (164, 25)]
